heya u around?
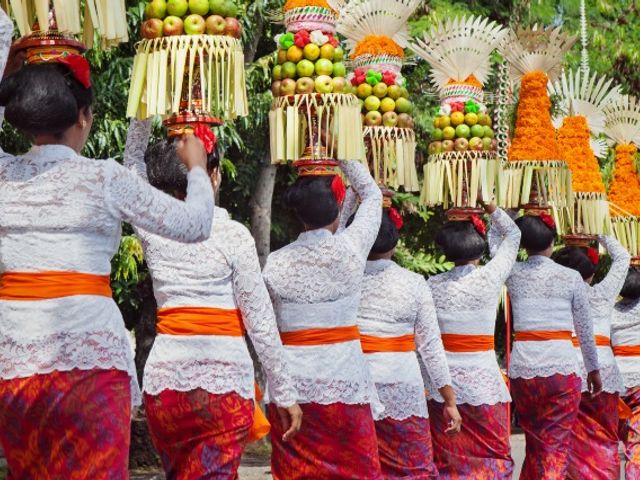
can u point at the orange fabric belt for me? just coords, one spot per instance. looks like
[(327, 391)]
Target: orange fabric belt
[(373, 344), (626, 351), (459, 343), (200, 321), (320, 336), (261, 426), (543, 335), (601, 341), (27, 286)]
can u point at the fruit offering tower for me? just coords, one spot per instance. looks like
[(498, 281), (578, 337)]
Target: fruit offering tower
[(377, 32), (313, 119), (536, 176), (622, 125), (462, 163), (581, 115), (189, 67)]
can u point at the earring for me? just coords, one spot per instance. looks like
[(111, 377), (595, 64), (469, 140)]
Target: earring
[(83, 124)]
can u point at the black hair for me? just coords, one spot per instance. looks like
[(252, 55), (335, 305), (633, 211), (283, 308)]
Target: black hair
[(460, 241), (536, 235), (388, 235), (577, 259), (631, 288), (165, 170), (43, 99), (313, 201)]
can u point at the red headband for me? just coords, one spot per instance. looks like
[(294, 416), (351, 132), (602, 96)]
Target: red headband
[(338, 188), (548, 220), (206, 136), (79, 68), (593, 255), (479, 225), (396, 218)]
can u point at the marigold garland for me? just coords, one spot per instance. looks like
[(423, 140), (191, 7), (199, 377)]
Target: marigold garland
[(377, 45), (573, 140), (291, 4), (625, 187), (535, 137), (470, 80)]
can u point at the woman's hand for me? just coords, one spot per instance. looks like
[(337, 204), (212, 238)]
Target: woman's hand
[(453, 418), (191, 152), (594, 383), (291, 418)]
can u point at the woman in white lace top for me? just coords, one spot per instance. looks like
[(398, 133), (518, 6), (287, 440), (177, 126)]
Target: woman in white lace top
[(67, 377), (594, 446), (208, 374), (625, 338), (397, 317), (315, 285), (466, 300), (548, 301)]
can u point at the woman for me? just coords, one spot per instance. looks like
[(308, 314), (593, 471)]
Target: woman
[(67, 377), (199, 379), (625, 338), (466, 300), (594, 446), (397, 317), (315, 285), (547, 301)]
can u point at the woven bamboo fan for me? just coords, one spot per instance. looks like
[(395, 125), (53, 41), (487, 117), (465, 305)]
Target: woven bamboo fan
[(376, 32), (462, 159), (536, 167)]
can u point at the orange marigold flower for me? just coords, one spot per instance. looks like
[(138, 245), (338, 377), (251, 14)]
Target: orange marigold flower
[(290, 4), (535, 137), (573, 140), (625, 187), (377, 45), (470, 80)]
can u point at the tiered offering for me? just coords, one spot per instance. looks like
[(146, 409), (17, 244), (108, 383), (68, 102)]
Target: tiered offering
[(313, 120), (536, 176), (462, 162), (377, 32), (622, 125), (581, 113)]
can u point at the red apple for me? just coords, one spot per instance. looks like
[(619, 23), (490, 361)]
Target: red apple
[(152, 28), (275, 88), (194, 25), (172, 26), (305, 85), (339, 85), (215, 25), (234, 29), (461, 144), (448, 146), (287, 86), (373, 118)]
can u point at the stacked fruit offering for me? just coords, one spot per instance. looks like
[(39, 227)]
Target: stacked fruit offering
[(190, 17), (385, 100), (308, 62), (461, 127)]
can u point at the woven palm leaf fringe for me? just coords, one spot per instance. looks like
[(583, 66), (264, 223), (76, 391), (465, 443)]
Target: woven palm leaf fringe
[(392, 157), (588, 214), (336, 117), (448, 175), (516, 179), (627, 231), (164, 68)]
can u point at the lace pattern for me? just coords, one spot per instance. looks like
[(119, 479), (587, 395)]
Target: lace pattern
[(401, 401), (612, 381), (625, 330)]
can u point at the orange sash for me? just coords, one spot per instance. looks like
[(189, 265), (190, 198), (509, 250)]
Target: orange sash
[(543, 335), (626, 351), (601, 341), (200, 321), (28, 286), (320, 336), (261, 426), (460, 343), (373, 344)]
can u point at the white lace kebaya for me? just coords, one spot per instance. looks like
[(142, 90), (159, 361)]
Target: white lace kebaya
[(315, 282), (62, 212), (466, 300), (221, 272), (396, 302), (625, 331), (602, 299)]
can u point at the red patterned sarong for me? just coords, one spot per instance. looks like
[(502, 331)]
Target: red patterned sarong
[(73, 425), (199, 434), (630, 434), (594, 443), (547, 409), (480, 451), (335, 441), (405, 448)]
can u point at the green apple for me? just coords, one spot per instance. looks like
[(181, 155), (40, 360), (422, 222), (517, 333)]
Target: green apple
[(231, 9), (372, 103), (216, 7), (177, 8), (294, 54), (276, 73), (364, 90), (404, 92), (475, 144), (324, 84), (339, 70), (387, 104), (394, 91), (327, 51), (487, 143), (437, 134), (311, 51), (390, 119), (434, 148), (380, 90), (463, 131), (373, 118), (288, 70), (304, 68), (305, 85), (448, 133), (488, 132), (403, 105), (477, 130), (338, 54), (156, 9), (324, 66), (199, 7), (194, 25), (282, 56)]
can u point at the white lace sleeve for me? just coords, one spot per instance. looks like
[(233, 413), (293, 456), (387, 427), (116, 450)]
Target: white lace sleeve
[(583, 324), (504, 234), (259, 319), (137, 141), (364, 229), (428, 341), (6, 33), (132, 199), (348, 207), (611, 285)]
